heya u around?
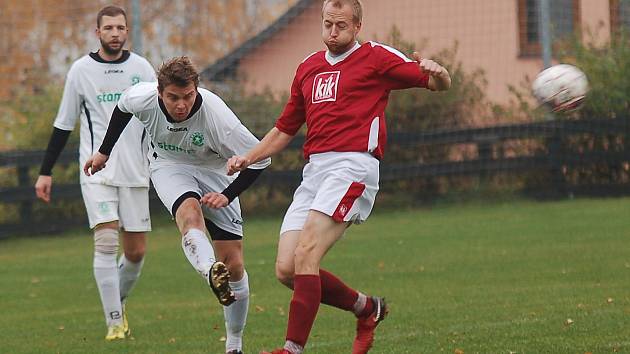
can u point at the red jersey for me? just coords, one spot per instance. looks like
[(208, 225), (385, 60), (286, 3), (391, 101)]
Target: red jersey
[(342, 99)]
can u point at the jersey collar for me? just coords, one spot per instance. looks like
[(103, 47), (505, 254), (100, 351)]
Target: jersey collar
[(195, 108), (123, 58), (332, 60)]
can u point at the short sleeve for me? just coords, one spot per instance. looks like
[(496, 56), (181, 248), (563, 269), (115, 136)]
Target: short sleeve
[(293, 116), (70, 106), (137, 98), (150, 72), (398, 71), (233, 138)]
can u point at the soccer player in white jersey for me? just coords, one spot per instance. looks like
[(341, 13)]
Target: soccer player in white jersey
[(193, 133), (118, 197), (341, 95)]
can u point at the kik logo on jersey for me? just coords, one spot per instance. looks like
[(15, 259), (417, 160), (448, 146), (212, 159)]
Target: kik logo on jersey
[(325, 86), (197, 138)]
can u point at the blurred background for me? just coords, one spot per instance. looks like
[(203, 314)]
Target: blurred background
[(484, 139)]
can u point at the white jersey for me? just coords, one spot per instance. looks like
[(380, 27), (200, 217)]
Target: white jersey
[(92, 89), (211, 135)]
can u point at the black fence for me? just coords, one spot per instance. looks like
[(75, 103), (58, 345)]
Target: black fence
[(585, 157)]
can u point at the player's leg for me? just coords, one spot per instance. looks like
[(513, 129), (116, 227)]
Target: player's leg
[(130, 264), (102, 208), (180, 193), (231, 253), (135, 220), (319, 234), (131, 261), (226, 230), (334, 291), (346, 196)]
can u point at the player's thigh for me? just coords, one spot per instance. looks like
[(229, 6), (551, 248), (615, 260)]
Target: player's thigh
[(101, 203), (171, 182), (320, 233), (134, 209), (228, 219)]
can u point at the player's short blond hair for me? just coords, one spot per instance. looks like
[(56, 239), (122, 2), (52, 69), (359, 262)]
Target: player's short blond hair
[(178, 71), (357, 8)]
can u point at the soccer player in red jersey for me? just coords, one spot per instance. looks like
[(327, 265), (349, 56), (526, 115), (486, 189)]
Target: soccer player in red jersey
[(341, 95)]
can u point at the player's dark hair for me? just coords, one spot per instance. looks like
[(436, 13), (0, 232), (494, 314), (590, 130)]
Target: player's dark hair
[(177, 71), (357, 8), (111, 11)]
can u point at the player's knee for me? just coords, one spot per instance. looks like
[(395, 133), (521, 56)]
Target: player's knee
[(135, 255), (305, 249), (106, 241), (285, 276), (236, 268)]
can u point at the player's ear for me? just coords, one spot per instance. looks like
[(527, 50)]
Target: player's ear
[(358, 25)]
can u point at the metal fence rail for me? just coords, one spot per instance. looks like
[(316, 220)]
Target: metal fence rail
[(552, 159)]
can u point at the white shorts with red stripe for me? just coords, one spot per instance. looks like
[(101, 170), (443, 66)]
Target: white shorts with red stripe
[(342, 185)]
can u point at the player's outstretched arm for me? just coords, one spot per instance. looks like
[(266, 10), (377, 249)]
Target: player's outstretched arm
[(274, 142), (439, 78)]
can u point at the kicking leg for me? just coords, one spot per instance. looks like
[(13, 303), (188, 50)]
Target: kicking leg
[(199, 251)]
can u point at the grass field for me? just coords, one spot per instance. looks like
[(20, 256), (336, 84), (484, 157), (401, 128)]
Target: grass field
[(520, 277)]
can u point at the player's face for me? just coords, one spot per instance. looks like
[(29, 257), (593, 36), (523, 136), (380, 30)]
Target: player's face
[(112, 33), (179, 100), (339, 31)]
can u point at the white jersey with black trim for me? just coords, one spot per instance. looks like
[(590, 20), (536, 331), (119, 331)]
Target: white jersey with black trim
[(211, 134), (91, 92)]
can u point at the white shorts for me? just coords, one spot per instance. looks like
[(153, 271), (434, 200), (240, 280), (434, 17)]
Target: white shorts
[(342, 185), (172, 181), (128, 205)]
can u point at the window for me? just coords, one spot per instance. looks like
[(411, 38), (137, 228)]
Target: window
[(619, 15), (564, 16)]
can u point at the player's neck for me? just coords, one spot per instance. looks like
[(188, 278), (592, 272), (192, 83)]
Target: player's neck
[(109, 57)]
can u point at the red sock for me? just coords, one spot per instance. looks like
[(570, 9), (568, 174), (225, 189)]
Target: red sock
[(336, 293), (307, 293)]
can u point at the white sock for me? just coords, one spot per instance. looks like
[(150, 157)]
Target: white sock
[(106, 274), (359, 305), (128, 273), (236, 314), (293, 347), (199, 251)]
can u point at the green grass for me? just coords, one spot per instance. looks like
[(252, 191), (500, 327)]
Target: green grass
[(482, 279)]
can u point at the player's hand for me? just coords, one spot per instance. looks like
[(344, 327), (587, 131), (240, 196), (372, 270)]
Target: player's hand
[(43, 187), (214, 200), (95, 164), (236, 164), (429, 66)]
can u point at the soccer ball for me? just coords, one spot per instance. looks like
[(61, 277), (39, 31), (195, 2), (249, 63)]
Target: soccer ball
[(561, 87)]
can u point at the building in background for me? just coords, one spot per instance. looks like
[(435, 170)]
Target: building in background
[(500, 37)]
